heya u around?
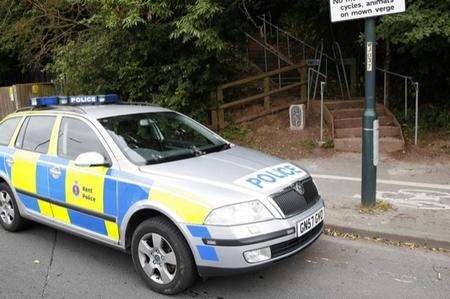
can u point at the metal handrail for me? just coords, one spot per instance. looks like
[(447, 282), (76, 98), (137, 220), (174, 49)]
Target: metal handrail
[(318, 55), (266, 47), (322, 87), (294, 38), (285, 32), (319, 74), (407, 79), (262, 18), (337, 48)]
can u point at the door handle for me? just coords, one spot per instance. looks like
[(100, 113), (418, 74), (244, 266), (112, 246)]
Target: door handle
[(55, 172), (9, 161)]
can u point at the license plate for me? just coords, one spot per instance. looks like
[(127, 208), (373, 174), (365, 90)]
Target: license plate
[(310, 222)]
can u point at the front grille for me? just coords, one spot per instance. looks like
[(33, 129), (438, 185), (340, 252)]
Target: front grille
[(294, 244), (292, 203)]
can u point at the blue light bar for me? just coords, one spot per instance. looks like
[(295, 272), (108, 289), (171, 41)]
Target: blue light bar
[(74, 100), (44, 101)]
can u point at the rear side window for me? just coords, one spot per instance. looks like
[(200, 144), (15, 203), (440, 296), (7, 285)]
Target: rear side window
[(7, 129), (35, 134), (75, 138)]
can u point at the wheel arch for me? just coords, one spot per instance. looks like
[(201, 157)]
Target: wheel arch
[(137, 215), (4, 179)]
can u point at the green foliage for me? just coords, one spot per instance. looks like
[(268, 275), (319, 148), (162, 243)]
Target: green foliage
[(421, 43), (423, 21), (235, 133), (174, 52), (329, 144), (432, 118), (168, 51)]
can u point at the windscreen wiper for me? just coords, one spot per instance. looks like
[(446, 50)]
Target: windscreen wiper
[(218, 148), (171, 158)]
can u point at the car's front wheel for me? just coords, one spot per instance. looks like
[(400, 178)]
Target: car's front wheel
[(162, 257), (10, 219)]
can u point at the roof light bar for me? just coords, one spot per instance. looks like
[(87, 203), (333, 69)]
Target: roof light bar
[(44, 101), (74, 100)]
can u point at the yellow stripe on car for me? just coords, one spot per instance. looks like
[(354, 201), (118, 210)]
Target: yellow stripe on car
[(112, 229), (24, 170), (188, 209), (89, 183)]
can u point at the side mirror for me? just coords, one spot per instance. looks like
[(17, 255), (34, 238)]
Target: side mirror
[(91, 159)]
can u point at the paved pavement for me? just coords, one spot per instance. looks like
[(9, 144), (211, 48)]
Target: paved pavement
[(418, 192), (42, 263)]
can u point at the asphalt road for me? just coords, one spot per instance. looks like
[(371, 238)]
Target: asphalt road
[(42, 263)]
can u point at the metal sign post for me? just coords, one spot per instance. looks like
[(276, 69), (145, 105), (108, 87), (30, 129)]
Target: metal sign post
[(343, 10), (370, 122)]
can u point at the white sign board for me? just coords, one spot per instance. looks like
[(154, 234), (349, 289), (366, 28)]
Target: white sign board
[(344, 10), (297, 117), (376, 139)]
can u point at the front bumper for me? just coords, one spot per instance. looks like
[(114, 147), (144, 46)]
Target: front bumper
[(226, 245)]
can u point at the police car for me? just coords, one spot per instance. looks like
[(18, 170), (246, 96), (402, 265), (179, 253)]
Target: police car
[(155, 183)]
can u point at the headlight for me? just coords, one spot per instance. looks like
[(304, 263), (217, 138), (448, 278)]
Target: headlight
[(243, 213)]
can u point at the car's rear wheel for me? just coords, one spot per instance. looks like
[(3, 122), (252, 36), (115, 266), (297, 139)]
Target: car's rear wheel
[(10, 218), (162, 257)]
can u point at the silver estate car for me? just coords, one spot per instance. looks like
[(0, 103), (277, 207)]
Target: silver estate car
[(153, 182)]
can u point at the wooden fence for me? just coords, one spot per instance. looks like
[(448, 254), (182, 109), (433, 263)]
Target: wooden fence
[(218, 113), (18, 96)]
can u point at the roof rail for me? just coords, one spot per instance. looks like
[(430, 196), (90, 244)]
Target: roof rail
[(139, 104), (75, 109)]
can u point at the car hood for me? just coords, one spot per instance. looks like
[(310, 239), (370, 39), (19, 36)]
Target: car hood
[(238, 169)]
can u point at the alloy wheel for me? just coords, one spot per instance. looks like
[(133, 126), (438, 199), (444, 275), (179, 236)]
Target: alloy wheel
[(6, 208), (157, 258)]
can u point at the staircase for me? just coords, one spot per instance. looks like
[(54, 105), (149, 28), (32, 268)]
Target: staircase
[(345, 119), (276, 48)]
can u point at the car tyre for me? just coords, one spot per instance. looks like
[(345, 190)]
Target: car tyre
[(10, 218), (162, 256)]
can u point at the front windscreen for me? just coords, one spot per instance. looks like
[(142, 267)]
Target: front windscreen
[(157, 137)]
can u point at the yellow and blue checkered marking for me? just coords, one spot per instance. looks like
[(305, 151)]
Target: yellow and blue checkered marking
[(207, 253), (113, 193)]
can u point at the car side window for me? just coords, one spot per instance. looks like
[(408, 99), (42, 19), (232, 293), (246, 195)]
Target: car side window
[(36, 133), (7, 129), (76, 137)]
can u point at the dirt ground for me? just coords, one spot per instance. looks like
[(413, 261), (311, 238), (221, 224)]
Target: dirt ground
[(432, 147), (271, 134)]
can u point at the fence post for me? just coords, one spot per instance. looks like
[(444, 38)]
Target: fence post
[(385, 91), (406, 98), (289, 48), (214, 116), (353, 76), (267, 101), (265, 43), (322, 86), (279, 61), (304, 89), (220, 111), (417, 113)]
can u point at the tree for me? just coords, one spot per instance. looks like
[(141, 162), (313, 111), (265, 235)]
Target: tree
[(420, 38), (164, 51)]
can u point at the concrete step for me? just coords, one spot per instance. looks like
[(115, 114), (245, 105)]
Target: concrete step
[(353, 122), (387, 144), (385, 131), (353, 112), (345, 104)]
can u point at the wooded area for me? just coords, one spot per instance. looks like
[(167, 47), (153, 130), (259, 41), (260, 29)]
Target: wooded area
[(175, 52)]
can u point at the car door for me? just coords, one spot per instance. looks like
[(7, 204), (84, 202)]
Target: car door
[(7, 130), (87, 194), (28, 173)]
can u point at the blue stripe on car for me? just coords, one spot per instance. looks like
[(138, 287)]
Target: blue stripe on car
[(199, 231), (207, 253)]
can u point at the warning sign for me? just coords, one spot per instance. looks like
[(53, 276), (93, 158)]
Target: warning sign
[(344, 10)]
